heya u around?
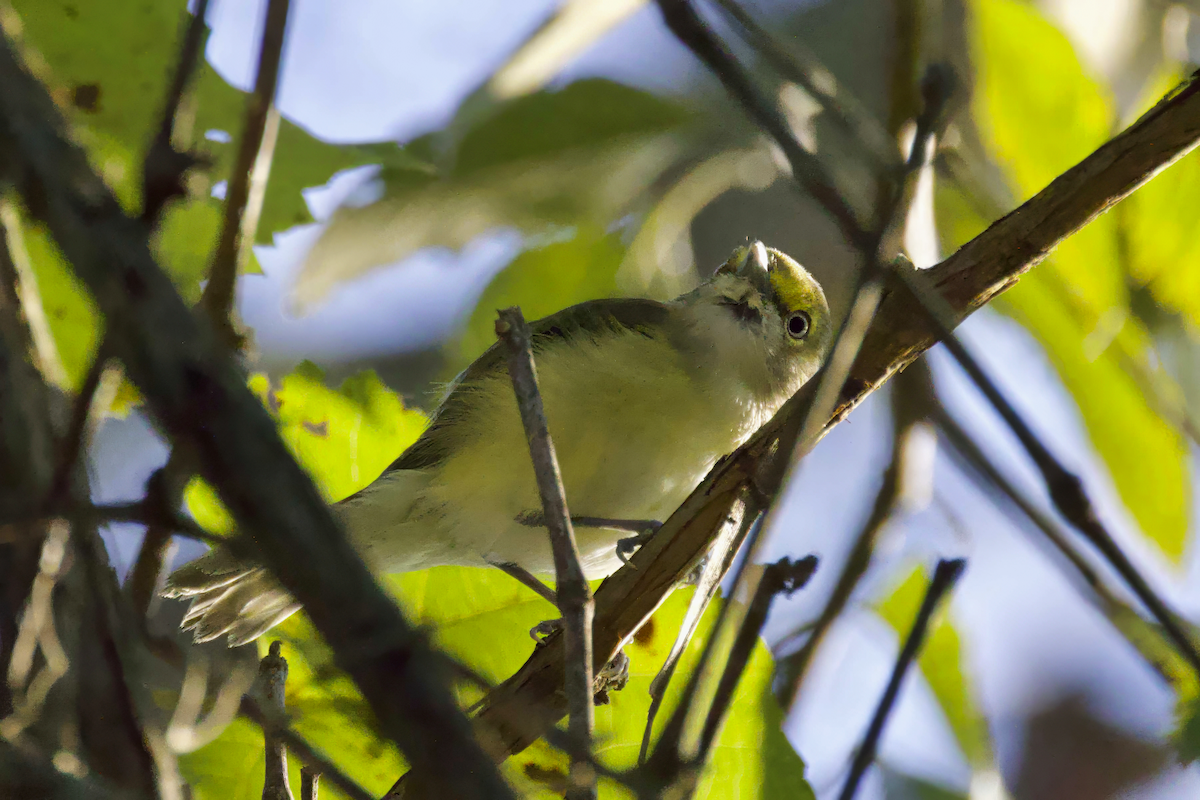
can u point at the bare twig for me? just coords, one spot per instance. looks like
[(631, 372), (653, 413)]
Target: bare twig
[(690, 29), (571, 587), (247, 184), (271, 720), (797, 64), (310, 781), (45, 351), (527, 579), (676, 762), (71, 449), (1066, 489), (794, 667), (199, 397), (944, 578), (1119, 613), (272, 680), (720, 556), (165, 166), (783, 577)]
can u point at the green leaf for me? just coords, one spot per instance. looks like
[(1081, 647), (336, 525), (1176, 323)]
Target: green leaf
[(541, 281), (941, 663), (586, 154), (108, 62), (344, 437), (481, 616), (1160, 225), (1038, 113)]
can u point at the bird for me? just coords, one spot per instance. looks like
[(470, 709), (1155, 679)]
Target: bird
[(641, 397)]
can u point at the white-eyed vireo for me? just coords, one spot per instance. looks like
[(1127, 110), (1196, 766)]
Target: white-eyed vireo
[(641, 398)]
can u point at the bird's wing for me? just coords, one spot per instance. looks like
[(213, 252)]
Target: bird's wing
[(591, 319)]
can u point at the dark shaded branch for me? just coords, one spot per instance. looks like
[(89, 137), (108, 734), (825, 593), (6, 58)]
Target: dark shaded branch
[(27, 776), (247, 184), (198, 396), (571, 587), (968, 279), (1066, 488), (165, 166), (944, 578), (1156, 651), (717, 561), (310, 782)]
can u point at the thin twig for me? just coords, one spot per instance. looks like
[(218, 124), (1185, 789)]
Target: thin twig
[(691, 30), (527, 580), (720, 555), (800, 66), (571, 587), (683, 747), (944, 578), (165, 166), (1065, 488), (247, 184), (73, 443), (783, 577), (794, 667), (270, 686), (271, 720), (45, 351), (310, 781), (1119, 613)]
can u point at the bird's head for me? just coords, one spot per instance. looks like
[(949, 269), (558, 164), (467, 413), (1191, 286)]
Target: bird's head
[(766, 318)]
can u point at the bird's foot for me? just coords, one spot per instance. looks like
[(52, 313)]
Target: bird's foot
[(544, 629), (612, 677), (628, 546)]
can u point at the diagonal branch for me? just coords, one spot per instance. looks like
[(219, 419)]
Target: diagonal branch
[(199, 397), (248, 183), (968, 279)]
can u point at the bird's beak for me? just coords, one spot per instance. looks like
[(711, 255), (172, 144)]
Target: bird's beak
[(755, 267)]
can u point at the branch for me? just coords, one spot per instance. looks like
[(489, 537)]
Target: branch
[(968, 279), (690, 29), (944, 578), (798, 65), (783, 577), (272, 681), (164, 167), (199, 397), (45, 351), (571, 588), (248, 183)]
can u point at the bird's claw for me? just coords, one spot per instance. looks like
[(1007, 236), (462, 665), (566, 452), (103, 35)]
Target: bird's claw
[(612, 677), (629, 545), (544, 629)]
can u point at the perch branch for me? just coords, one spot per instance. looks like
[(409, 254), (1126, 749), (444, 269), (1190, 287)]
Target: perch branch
[(983, 268), (571, 587)]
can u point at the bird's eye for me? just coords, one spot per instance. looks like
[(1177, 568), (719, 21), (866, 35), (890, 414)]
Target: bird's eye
[(798, 325)]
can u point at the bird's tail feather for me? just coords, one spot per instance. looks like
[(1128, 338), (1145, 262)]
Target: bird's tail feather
[(229, 598)]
